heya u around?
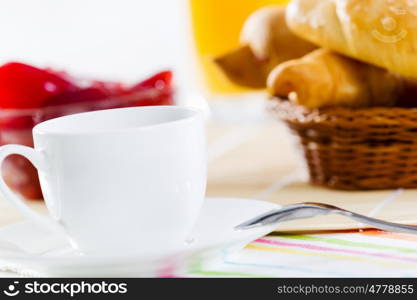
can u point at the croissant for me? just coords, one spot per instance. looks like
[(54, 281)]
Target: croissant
[(324, 78), (379, 32), (266, 41)]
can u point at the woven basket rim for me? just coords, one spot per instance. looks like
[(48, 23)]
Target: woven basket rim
[(334, 109), (291, 112)]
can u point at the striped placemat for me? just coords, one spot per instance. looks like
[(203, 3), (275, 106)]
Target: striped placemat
[(261, 162), (337, 253)]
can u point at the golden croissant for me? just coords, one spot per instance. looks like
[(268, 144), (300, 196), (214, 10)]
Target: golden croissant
[(266, 41), (379, 32), (324, 78)]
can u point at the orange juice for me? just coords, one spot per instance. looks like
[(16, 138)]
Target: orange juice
[(216, 27)]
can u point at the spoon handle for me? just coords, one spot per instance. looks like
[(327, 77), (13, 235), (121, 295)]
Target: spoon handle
[(313, 209)]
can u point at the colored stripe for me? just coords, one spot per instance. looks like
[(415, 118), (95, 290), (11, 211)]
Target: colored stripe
[(326, 231), (328, 255), (284, 268), (222, 273), (344, 242), (329, 249), (391, 235), (362, 231)]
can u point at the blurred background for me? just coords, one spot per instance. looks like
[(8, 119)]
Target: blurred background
[(127, 40), (110, 39)]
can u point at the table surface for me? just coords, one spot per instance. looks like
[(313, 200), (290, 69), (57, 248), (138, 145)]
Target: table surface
[(261, 161)]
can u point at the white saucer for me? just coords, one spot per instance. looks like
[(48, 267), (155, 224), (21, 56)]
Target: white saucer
[(29, 249)]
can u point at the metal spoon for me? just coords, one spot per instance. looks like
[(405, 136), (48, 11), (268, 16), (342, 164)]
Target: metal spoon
[(312, 209)]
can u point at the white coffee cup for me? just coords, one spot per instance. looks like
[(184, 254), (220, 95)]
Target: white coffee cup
[(129, 180)]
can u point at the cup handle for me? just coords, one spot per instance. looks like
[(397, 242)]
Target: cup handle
[(37, 159)]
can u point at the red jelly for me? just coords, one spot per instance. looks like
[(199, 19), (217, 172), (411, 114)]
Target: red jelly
[(24, 86), (29, 95)]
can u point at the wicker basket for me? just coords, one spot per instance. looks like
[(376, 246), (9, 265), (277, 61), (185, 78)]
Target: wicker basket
[(355, 149)]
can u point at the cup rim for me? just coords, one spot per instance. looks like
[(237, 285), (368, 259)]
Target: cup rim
[(43, 128)]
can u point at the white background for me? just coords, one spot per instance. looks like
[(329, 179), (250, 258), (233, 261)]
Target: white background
[(109, 39)]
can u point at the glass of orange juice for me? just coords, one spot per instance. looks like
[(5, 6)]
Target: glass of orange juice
[(216, 26)]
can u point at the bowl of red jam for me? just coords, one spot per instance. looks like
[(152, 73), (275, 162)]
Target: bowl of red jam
[(30, 95)]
